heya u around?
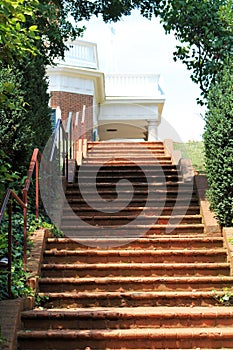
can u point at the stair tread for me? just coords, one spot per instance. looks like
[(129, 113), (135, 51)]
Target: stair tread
[(149, 216), (140, 279), (140, 265), (135, 294), (131, 333), (168, 238), (160, 311), (127, 252), (135, 226)]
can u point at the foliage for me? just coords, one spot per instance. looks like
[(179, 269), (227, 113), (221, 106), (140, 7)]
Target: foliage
[(7, 177), (37, 112), (195, 151), (204, 29), (55, 28), (24, 112), (16, 38), (218, 140), (225, 297), (19, 276), (14, 126), (206, 39)]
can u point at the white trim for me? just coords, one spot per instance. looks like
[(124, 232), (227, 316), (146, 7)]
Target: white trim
[(77, 76)]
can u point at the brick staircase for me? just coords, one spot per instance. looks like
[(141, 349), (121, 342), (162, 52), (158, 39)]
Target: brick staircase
[(117, 289)]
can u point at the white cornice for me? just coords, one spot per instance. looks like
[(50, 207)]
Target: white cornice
[(88, 74), (134, 99)]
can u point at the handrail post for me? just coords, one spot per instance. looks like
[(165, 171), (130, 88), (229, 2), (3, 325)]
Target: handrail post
[(67, 157), (64, 155), (83, 122), (59, 149), (25, 199), (76, 135), (9, 277), (37, 188), (71, 140)]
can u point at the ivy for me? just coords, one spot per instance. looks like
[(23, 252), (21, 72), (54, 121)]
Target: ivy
[(19, 276)]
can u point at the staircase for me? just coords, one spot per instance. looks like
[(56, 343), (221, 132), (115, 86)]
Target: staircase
[(140, 277)]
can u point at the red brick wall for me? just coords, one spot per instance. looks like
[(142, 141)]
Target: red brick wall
[(71, 102)]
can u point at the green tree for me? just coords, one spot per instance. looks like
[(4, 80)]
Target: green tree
[(205, 38), (14, 127), (16, 38), (218, 139), (204, 33)]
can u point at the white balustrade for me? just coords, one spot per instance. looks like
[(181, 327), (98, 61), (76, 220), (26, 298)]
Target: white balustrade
[(81, 54), (134, 85)]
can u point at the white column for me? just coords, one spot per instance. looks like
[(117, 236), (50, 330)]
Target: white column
[(152, 130)]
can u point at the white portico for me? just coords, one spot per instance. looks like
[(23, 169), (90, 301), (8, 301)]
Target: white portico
[(125, 106), (132, 107)]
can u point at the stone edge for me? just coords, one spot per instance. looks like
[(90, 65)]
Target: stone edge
[(228, 241), (10, 310), (211, 225)]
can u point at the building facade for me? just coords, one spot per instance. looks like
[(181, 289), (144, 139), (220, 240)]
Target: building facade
[(117, 106)]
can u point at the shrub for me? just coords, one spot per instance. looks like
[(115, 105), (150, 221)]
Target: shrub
[(19, 276), (218, 141)]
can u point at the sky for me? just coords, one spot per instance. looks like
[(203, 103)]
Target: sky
[(137, 45)]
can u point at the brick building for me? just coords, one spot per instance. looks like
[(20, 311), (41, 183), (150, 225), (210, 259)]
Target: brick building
[(118, 106)]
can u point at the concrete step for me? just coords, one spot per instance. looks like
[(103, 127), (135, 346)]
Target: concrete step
[(130, 210), (118, 219), (127, 256), (191, 298), (129, 146), (121, 152), (120, 161), (151, 338), (150, 242), (137, 202), (126, 192), (142, 186), (130, 168), (127, 157), (169, 177), (130, 283), (113, 181), (130, 230), (138, 317), (134, 269)]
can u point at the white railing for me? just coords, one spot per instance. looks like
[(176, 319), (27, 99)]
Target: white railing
[(81, 54), (135, 85)]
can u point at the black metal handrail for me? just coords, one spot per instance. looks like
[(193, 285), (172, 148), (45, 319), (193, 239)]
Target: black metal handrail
[(7, 203)]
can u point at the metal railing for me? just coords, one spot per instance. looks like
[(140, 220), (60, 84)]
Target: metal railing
[(60, 148), (76, 136), (64, 147), (7, 204), (82, 140)]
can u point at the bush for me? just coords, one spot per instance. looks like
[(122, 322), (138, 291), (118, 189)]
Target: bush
[(218, 141), (19, 276), (14, 129), (24, 113)]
